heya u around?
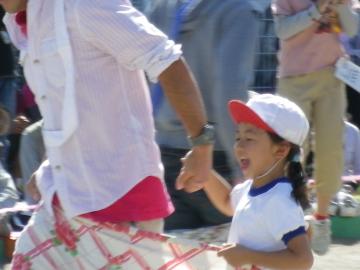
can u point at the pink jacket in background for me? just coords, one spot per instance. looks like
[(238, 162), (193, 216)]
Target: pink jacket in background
[(306, 51)]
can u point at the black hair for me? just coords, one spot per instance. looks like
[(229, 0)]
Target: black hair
[(2, 14), (295, 172)]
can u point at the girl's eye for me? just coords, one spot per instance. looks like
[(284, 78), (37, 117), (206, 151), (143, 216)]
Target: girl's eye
[(243, 139)]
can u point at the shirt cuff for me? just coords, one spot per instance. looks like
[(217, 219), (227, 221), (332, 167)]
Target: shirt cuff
[(170, 53), (314, 13), (292, 234)]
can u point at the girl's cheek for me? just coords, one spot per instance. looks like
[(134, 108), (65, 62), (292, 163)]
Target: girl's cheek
[(236, 148)]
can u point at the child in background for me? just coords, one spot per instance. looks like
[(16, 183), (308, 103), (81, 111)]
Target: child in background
[(309, 48), (268, 228)]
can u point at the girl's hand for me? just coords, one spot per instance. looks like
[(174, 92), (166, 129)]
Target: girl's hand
[(234, 254), (196, 169)]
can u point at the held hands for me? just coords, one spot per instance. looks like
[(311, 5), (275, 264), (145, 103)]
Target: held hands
[(196, 168)]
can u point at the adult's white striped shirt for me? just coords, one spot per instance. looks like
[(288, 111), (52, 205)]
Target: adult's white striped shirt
[(112, 146)]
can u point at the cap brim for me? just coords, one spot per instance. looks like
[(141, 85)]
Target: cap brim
[(241, 113)]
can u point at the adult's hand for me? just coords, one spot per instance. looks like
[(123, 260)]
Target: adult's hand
[(196, 169), (19, 124)]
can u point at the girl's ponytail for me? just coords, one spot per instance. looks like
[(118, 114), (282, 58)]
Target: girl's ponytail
[(296, 174)]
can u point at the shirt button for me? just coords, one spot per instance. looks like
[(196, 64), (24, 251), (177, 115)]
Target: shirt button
[(43, 97), (36, 61), (58, 167)]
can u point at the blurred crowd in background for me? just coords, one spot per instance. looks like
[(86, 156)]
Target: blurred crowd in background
[(227, 61)]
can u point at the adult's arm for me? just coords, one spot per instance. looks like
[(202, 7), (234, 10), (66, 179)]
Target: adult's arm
[(287, 26), (183, 94)]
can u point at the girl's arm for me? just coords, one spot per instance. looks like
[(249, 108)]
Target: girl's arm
[(218, 191), (297, 256)]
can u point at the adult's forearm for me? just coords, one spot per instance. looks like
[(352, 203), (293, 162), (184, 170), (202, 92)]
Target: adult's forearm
[(181, 90)]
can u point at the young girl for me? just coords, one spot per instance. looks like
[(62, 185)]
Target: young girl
[(268, 228)]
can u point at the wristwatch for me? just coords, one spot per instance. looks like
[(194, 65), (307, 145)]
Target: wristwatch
[(206, 136)]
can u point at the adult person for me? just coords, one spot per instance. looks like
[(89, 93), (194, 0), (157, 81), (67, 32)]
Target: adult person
[(220, 50), (8, 85), (8, 192), (84, 61), (141, 5), (309, 49), (7, 71)]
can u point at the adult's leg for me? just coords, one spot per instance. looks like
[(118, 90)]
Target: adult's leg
[(298, 89), (56, 242), (329, 111)]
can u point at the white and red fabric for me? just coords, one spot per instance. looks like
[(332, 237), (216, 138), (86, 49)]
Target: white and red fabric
[(79, 243)]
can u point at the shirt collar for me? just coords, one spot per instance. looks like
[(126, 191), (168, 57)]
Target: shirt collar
[(261, 190)]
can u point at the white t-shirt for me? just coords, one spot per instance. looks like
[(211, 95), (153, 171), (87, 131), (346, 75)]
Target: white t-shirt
[(265, 218)]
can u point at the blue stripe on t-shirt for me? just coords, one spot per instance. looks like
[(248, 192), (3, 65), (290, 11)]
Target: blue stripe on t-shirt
[(290, 235), (255, 191)]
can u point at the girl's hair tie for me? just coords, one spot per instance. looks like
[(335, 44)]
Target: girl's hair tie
[(296, 158)]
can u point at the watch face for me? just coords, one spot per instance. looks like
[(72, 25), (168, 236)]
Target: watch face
[(207, 136)]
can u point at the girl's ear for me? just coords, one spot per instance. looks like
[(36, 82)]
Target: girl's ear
[(282, 149)]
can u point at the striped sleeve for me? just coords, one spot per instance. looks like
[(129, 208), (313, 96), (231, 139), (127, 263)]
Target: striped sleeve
[(120, 30)]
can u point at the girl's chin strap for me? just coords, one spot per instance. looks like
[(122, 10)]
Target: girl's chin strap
[(269, 170)]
